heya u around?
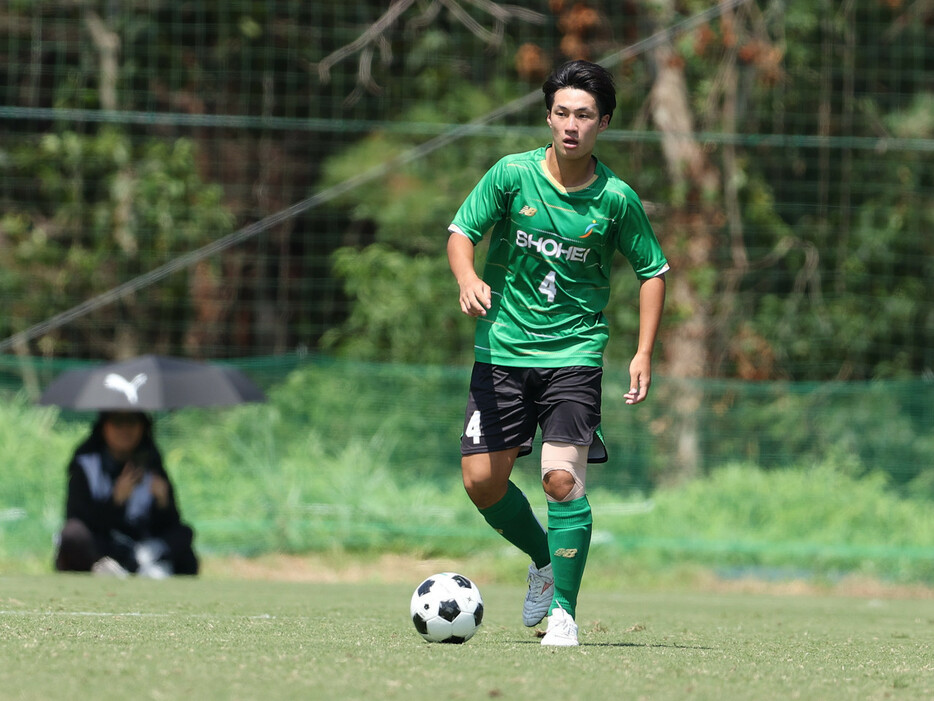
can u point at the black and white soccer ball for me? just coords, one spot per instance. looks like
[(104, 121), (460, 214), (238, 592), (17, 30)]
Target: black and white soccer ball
[(447, 608)]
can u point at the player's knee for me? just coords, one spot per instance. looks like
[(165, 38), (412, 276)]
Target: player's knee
[(564, 471), (558, 484), (486, 477), (483, 492)]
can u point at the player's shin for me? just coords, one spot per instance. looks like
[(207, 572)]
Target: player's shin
[(512, 518), (570, 524)]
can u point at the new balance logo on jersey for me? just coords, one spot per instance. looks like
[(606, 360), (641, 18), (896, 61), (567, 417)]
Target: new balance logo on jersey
[(528, 211), (569, 553), (551, 248)]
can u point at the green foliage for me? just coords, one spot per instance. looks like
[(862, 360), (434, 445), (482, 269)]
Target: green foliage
[(405, 299), (364, 457), (816, 519), (385, 323), (831, 291), (858, 428), (330, 460), (103, 208), (877, 311), (817, 118), (37, 445), (854, 304)]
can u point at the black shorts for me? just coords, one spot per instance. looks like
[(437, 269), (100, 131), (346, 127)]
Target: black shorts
[(506, 405)]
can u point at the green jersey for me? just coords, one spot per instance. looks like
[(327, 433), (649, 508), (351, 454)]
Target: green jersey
[(549, 260)]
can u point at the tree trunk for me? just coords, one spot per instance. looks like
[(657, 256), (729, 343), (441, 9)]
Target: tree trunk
[(695, 184)]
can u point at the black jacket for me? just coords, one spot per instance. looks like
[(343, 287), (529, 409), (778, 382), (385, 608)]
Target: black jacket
[(91, 476)]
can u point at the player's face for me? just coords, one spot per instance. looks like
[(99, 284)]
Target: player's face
[(575, 122)]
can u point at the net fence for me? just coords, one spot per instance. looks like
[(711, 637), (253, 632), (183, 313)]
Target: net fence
[(799, 478), (188, 178), (269, 183)]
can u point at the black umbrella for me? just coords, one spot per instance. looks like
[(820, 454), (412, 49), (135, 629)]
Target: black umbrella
[(151, 383)]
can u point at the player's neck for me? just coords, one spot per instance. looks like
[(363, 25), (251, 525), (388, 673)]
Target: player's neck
[(567, 172)]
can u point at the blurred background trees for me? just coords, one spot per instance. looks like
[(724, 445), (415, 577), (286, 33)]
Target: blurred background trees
[(782, 148)]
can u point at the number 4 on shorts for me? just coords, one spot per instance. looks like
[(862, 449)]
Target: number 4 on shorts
[(473, 428)]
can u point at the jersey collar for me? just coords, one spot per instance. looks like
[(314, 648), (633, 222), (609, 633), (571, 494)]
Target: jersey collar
[(577, 188)]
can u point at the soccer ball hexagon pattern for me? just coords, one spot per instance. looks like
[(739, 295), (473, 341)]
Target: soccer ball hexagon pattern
[(447, 608)]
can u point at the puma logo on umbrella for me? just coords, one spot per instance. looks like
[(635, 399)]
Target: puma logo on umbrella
[(170, 383), (128, 387)]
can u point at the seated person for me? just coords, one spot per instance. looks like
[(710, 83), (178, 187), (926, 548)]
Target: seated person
[(121, 515)]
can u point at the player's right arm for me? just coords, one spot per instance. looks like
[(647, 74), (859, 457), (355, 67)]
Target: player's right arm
[(475, 298), (485, 206)]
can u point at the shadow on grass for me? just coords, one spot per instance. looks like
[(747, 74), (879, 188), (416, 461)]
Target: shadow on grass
[(673, 646)]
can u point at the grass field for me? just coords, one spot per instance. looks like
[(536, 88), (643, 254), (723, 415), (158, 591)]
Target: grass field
[(216, 637)]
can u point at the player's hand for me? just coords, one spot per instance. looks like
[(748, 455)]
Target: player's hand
[(126, 482), (475, 297), (640, 377)]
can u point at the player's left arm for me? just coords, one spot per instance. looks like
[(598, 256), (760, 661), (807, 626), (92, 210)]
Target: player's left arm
[(651, 304)]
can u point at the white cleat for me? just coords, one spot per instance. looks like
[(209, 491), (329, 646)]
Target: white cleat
[(538, 599), (562, 630)]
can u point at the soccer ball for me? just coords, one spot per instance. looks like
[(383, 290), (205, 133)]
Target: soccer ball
[(447, 608)]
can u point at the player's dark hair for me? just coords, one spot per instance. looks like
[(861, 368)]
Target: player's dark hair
[(586, 76)]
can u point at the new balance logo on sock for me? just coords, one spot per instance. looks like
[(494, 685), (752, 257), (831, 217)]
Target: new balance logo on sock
[(569, 553)]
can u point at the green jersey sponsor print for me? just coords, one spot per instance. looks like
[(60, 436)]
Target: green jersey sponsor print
[(549, 260)]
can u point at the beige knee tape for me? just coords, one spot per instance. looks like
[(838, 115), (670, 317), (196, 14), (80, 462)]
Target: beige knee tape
[(570, 458)]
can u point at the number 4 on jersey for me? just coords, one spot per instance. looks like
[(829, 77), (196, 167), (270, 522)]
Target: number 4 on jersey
[(473, 428), (548, 287)]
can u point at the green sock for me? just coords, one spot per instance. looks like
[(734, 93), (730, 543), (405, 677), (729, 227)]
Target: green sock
[(513, 519), (570, 524)]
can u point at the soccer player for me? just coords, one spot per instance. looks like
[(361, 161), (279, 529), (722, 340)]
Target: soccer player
[(556, 216)]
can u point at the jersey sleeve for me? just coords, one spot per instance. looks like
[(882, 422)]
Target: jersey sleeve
[(486, 204), (637, 241)]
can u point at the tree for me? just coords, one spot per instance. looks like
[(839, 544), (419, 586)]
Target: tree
[(753, 253), (780, 146), (103, 210)]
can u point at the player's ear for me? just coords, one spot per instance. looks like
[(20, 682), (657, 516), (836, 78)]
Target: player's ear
[(604, 122)]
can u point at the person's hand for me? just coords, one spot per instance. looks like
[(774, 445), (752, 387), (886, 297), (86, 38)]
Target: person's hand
[(159, 486), (640, 377), (126, 482), (475, 297)]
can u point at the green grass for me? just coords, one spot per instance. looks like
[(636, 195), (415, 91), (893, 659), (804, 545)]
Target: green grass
[(78, 637)]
